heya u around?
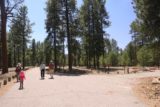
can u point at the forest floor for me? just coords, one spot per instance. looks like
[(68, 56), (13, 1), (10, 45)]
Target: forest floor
[(79, 90)]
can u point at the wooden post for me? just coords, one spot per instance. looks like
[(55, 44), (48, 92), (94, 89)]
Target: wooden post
[(128, 70)]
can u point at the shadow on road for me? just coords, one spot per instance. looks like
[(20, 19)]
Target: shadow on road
[(74, 72)]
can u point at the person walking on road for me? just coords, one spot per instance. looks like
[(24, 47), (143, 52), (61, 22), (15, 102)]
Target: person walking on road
[(42, 69), (21, 77), (51, 68)]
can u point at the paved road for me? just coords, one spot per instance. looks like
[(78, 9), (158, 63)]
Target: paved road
[(74, 91)]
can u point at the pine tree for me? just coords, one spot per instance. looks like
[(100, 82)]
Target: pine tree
[(68, 34), (94, 18), (52, 24), (21, 29)]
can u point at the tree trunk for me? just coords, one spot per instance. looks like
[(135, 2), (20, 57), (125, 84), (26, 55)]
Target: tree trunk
[(89, 40), (23, 52), (102, 37), (68, 38), (18, 53), (23, 58), (0, 46), (98, 62), (63, 54), (87, 59), (0, 55), (24, 41), (14, 56), (4, 38), (55, 51), (93, 37), (9, 59)]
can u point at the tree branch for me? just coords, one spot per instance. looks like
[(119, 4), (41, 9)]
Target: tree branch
[(10, 9)]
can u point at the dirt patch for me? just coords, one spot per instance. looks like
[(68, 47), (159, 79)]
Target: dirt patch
[(6, 88), (147, 92), (10, 82)]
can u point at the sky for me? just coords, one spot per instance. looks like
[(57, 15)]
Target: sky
[(121, 15), (120, 12)]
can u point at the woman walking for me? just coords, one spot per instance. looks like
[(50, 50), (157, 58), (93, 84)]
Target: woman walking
[(51, 68), (42, 69)]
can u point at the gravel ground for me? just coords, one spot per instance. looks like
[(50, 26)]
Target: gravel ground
[(74, 91)]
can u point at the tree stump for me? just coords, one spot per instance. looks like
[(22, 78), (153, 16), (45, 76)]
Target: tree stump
[(5, 82), (9, 79), (13, 76)]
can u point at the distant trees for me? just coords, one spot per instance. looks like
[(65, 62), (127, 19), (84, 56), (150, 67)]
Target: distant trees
[(131, 52), (125, 59), (113, 58), (144, 56)]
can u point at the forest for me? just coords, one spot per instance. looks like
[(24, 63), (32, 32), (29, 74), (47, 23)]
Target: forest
[(78, 36)]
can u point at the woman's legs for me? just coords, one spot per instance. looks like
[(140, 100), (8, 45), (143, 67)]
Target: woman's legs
[(17, 75), (42, 73), (51, 73)]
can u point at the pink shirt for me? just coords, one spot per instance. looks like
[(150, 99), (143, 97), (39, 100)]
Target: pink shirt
[(22, 75)]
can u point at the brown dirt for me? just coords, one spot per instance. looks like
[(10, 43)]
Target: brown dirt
[(147, 92), (6, 88)]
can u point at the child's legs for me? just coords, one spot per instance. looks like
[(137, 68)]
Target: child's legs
[(50, 72), (21, 84)]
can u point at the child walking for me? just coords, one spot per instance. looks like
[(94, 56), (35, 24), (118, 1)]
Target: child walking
[(21, 77)]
